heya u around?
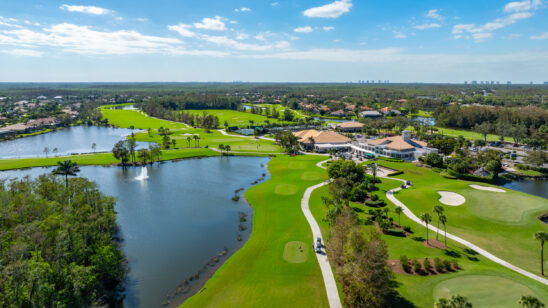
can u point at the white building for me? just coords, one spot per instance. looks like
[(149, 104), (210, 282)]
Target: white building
[(402, 147)]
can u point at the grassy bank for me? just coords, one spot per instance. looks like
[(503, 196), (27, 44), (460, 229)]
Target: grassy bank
[(99, 159), (235, 118), (485, 283), (269, 271)]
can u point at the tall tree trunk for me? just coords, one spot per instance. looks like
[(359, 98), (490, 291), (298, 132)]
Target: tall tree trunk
[(445, 230), (438, 231), (426, 233), (66, 180), (542, 258)]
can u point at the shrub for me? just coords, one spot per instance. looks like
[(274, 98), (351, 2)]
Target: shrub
[(377, 203), (374, 197), (236, 198), (436, 170), (396, 232), (417, 267), (405, 264), (447, 265), (455, 264), (434, 160), (407, 229), (438, 265), (427, 265)]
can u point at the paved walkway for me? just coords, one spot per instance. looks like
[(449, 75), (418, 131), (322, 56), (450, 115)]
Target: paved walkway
[(408, 213), (328, 277)]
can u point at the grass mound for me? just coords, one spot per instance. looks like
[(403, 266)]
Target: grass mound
[(296, 252)]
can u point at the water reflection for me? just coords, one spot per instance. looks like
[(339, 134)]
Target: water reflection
[(173, 223)]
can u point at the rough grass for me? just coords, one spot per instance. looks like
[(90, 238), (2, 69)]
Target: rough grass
[(258, 275)]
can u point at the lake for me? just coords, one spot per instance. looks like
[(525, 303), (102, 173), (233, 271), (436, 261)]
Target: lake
[(537, 188), (75, 139), (177, 221), (428, 121)]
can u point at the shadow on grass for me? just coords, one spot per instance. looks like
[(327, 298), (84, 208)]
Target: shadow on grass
[(452, 253), (396, 300), (418, 238)]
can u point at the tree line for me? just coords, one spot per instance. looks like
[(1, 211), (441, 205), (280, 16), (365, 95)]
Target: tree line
[(58, 244)]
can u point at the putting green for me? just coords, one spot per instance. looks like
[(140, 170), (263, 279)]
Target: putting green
[(311, 176), (296, 252), (285, 189), (510, 208), (484, 291)]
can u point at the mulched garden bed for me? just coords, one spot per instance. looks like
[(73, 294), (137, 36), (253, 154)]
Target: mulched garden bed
[(395, 266)]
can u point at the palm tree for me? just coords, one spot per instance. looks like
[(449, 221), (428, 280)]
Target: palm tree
[(443, 219), (426, 218), (386, 210), (93, 147), (188, 140), (227, 148), (398, 210), (198, 139), (195, 137), (542, 237), (438, 209), (46, 151), (66, 168), (221, 147), (373, 168), (528, 301)]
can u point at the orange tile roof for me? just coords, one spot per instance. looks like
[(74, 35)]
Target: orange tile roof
[(321, 137), (394, 143)]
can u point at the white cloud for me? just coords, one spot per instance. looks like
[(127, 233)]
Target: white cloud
[(427, 26), (327, 28), (275, 3), (519, 6), (243, 10), (216, 24), (433, 13), (242, 36), (543, 36), (331, 10), (518, 11), (399, 35), (228, 42), (183, 30), (94, 10), (23, 52), (306, 29), (142, 19), (84, 40), (260, 37)]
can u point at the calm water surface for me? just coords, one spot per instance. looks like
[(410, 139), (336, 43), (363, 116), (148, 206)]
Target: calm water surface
[(76, 139), (173, 223), (537, 188)]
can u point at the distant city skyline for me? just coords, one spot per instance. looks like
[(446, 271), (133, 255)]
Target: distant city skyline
[(274, 41)]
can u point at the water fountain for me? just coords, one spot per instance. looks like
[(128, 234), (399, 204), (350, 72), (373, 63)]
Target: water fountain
[(144, 174)]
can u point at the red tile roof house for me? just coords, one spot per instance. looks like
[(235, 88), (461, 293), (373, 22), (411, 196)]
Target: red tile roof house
[(322, 141), (338, 113), (49, 121)]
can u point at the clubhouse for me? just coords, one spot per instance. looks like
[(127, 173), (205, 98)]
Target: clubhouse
[(322, 141), (348, 126), (402, 147)]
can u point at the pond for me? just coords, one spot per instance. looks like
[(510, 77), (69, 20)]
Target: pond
[(176, 221), (429, 121), (75, 139), (533, 187)]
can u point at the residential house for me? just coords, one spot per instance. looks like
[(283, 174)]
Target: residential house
[(348, 126), (370, 114)]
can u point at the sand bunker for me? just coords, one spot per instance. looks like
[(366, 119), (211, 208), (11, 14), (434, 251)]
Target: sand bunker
[(451, 198), (488, 188)]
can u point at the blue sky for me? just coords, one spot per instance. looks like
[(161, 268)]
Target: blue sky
[(278, 41)]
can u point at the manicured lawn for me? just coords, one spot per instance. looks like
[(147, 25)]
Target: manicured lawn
[(470, 134), (501, 223), (180, 132), (235, 118), (422, 291), (270, 271), (96, 159), (506, 293)]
